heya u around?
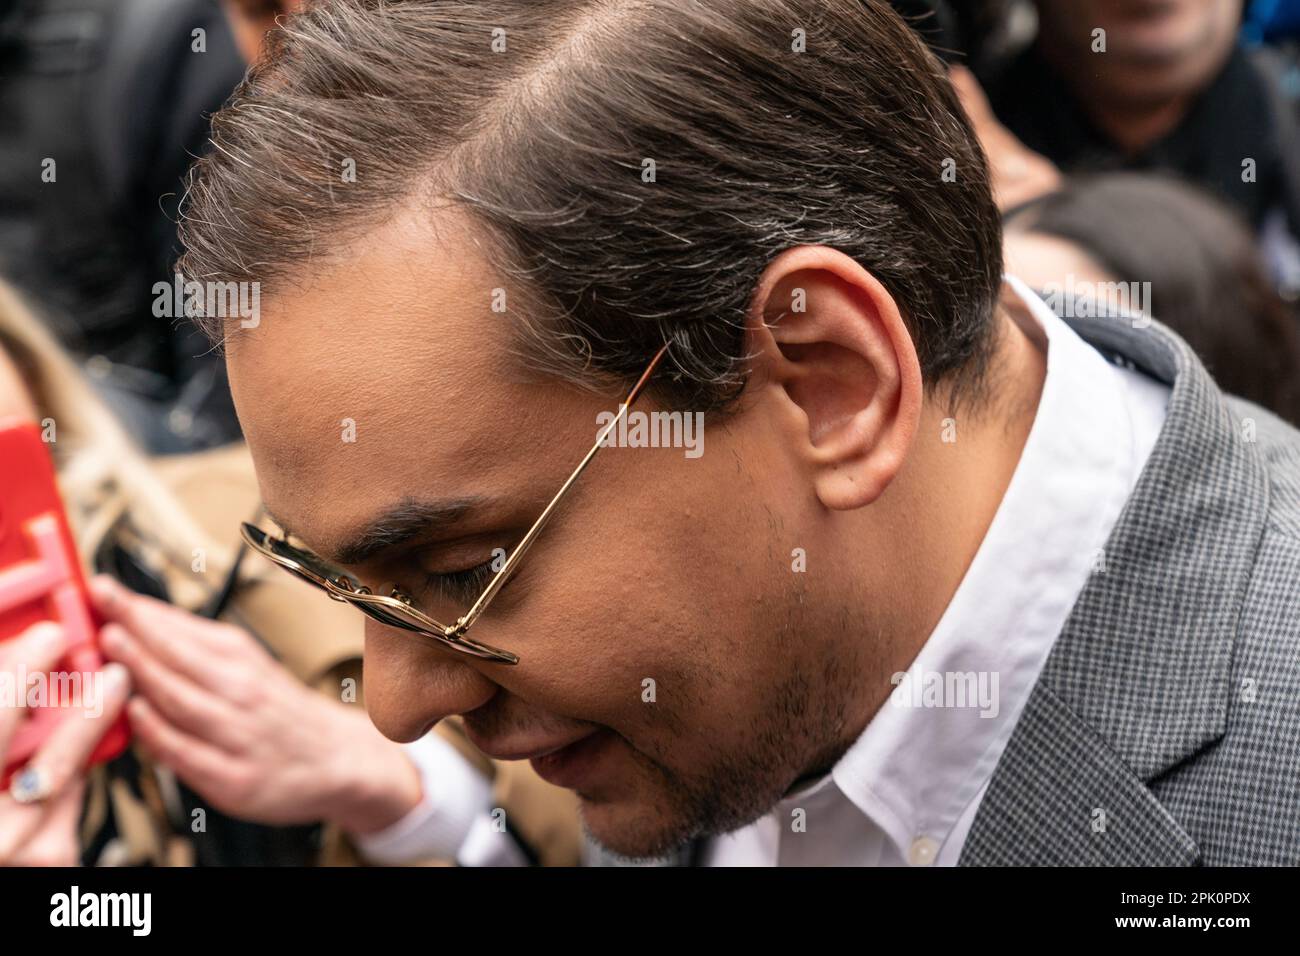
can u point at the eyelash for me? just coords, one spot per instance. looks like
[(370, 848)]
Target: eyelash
[(463, 586)]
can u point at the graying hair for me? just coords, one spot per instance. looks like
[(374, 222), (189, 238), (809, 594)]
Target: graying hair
[(758, 149)]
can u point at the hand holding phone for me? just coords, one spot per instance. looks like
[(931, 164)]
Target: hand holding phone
[(41, 580), (39, 824)]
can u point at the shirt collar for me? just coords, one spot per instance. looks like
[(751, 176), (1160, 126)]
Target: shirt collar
[(917, 767)]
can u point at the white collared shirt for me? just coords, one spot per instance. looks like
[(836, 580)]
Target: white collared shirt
[(906, 792)]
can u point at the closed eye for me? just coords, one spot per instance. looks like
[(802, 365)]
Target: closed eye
[(463, 586)]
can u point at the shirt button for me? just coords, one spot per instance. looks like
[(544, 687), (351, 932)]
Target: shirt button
[(922, 851)]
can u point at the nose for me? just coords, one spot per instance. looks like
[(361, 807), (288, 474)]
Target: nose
[(411, 684)]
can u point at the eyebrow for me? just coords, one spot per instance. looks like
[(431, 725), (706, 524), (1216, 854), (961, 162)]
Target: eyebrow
[(408, 520)]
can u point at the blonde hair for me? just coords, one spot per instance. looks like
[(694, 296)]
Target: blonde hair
[(108, 486)]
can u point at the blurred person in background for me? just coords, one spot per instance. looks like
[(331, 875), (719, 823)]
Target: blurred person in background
[(251, 19), (1207, 279), (103, 106), (244, 745), (1156, 84)]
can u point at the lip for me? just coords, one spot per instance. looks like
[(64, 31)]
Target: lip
[(575, 764), (523, 749)]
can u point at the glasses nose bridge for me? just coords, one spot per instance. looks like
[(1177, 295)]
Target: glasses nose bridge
[(448, 638), (454, 648)]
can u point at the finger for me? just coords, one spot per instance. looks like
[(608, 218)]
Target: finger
[(181, 702), (65, 751), (35, 651), (18, 821), (183, 641), (196, 762), (53, 841)]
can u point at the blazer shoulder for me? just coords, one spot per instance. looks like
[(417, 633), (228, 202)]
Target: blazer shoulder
[(1278, 445)]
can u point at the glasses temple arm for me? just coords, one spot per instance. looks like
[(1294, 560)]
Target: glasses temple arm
[(499, 580)]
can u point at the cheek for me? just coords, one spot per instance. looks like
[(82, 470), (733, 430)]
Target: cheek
[(654, 619)]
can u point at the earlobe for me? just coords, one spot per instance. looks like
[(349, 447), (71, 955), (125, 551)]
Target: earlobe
[(842, 360)]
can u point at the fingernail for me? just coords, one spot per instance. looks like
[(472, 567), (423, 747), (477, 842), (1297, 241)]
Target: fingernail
[(110, 638), (115, 677), (45, 637), (103, 588)]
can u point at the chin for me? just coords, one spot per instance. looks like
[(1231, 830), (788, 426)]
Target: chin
[(633, 829)]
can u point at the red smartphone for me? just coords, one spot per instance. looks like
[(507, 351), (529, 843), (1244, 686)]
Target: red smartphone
[(41, 580)]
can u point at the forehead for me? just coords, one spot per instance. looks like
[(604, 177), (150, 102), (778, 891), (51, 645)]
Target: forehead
[(386, 374)]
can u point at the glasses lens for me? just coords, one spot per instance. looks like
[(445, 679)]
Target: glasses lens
[(389, 615), (307, 567), (389, 611), (302, 564)]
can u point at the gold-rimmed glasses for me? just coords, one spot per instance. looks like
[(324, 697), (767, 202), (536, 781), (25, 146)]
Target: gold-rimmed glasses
[(396, 609)]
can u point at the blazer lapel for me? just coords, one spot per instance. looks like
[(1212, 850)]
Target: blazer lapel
[(1062, 797), (1139, 678)]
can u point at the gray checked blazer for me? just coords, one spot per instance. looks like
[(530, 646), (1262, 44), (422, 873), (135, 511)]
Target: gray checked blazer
[(1165, 727)]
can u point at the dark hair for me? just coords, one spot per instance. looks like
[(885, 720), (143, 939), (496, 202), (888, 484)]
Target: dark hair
[(758, 148), (1208, 282)]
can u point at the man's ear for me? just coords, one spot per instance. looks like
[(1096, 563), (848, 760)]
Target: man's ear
[(829, 341)]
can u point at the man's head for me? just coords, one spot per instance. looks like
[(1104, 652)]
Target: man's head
[(475, 224)]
